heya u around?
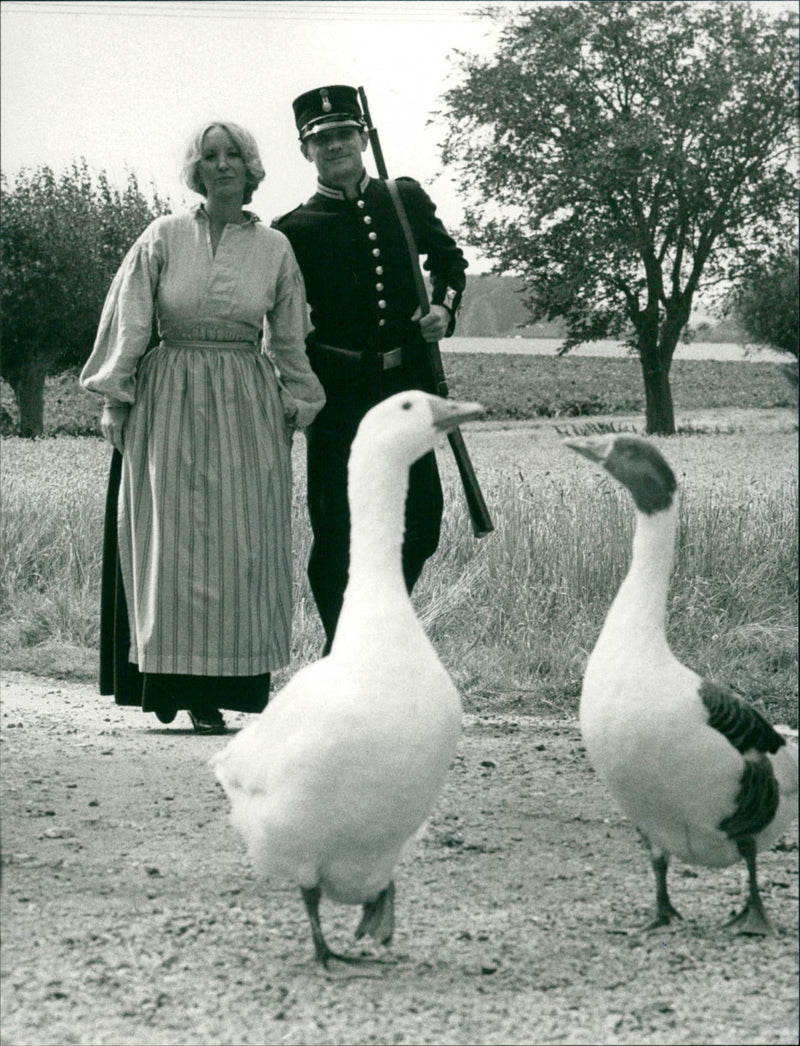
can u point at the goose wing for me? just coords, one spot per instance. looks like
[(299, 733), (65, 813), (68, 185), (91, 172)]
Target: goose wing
[(755, 739), (756, 802), (745, 728)]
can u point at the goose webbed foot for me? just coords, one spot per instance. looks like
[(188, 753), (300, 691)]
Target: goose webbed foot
[(664, 916), (378, 917), (752, 919), (325, 955), (665, 910)]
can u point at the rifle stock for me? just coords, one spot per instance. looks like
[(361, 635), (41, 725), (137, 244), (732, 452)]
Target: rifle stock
[(478, 512)]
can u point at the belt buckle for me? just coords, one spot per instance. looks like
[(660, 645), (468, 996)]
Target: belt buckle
[(392, 358)]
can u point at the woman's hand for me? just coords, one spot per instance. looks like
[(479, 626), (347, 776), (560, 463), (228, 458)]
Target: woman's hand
[(112, 422), (290, 421)]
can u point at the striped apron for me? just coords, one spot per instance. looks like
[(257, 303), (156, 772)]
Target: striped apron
[(204, 525)]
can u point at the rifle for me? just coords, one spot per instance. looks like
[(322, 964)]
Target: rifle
[(478, 512)]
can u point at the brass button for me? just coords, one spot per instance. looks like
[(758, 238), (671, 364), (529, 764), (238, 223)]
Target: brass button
[(381, 323), (376, 253), (378, 269), (367, 220), (360, 203), (373, 236), (378, 286), (381, 304)]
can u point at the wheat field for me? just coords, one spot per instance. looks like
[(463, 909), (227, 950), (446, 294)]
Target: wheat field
[(513, 615)]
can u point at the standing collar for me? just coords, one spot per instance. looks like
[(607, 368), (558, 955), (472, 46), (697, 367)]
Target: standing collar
[(337, 194)]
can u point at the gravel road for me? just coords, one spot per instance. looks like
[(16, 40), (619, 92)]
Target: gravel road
[(130, 915)]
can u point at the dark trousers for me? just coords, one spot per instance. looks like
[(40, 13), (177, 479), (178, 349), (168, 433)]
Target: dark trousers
[(329, 440)]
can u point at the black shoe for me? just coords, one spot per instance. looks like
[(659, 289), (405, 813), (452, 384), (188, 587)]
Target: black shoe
[(165, 714), (207, 721)]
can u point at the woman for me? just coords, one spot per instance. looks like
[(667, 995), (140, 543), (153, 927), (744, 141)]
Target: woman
[(198, 612)]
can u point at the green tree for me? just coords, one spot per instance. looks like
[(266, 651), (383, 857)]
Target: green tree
[(621, 157), (765, 303), (62, 240)]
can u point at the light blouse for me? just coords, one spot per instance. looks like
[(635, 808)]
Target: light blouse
[(252, 284)]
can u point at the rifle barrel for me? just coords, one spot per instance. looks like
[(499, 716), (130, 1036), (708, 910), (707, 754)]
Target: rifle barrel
[(478, 512), (374, 141)]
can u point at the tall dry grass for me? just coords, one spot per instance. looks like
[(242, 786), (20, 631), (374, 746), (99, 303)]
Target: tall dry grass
[(513, 616), (516, 615), (50, 553)]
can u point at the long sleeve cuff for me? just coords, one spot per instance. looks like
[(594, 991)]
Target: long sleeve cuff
[(300, 412), (450, 299)]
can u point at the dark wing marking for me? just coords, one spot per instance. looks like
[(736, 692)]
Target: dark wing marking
[(756, 802), (746, 729)]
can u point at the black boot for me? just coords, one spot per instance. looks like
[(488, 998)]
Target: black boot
[(207, 720)]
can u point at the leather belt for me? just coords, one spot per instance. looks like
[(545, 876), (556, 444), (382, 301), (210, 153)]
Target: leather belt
[(392, 358), (388, 360)]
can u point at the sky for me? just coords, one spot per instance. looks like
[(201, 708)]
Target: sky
[(124, 84)]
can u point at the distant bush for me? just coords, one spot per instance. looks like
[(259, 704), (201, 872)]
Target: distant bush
[(69, 409), (62, 238), (766, 304)]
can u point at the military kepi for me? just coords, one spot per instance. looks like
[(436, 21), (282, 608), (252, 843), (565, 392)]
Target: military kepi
[(325, 108)]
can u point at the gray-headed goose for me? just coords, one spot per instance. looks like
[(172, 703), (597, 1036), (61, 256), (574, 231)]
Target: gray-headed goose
[(701, 775)]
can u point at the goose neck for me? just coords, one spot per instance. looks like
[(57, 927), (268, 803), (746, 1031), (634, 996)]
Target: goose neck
[(377, 497), (640, 607)]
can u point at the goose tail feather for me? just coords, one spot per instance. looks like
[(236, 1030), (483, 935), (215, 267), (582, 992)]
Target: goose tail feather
[(785, 768)]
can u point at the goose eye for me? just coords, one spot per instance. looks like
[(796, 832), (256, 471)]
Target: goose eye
[(407, 405)]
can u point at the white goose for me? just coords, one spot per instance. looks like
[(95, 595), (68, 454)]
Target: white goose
[(701, 775), (346, 762)]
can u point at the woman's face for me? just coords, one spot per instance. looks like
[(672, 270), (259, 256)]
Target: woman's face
[(222, 169)]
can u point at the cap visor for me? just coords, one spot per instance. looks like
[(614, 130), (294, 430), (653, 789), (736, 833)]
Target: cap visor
[(328, 125)]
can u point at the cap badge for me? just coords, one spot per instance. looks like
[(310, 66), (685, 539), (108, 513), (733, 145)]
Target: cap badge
[(326, 103)]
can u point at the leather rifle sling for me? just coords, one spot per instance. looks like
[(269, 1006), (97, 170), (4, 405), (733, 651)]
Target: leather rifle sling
[(419, 282)]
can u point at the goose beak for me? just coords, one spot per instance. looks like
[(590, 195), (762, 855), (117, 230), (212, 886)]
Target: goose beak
[(448, 414), (594, 449)]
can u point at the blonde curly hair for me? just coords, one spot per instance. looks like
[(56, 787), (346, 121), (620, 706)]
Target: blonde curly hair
[(245, 143)]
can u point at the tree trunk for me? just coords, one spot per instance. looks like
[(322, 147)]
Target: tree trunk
[(659, 410), (657, 341), (28, 388), (655, 361)]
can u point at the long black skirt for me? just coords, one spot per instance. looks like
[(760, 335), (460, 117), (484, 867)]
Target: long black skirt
[(155, 691)]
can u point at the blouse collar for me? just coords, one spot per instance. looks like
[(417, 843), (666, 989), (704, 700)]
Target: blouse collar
[(337, 194), (199, 211)]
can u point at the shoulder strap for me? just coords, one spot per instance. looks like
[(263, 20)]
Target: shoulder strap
[(413, 252)]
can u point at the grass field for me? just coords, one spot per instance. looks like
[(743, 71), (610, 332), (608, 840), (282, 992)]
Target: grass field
[(514, 615), (512, 387), (521, 387)]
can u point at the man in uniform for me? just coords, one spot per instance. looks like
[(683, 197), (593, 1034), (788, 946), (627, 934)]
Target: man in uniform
[(368, 341)]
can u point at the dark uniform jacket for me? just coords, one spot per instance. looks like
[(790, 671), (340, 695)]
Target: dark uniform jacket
[(360, 287), (358, 278)]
